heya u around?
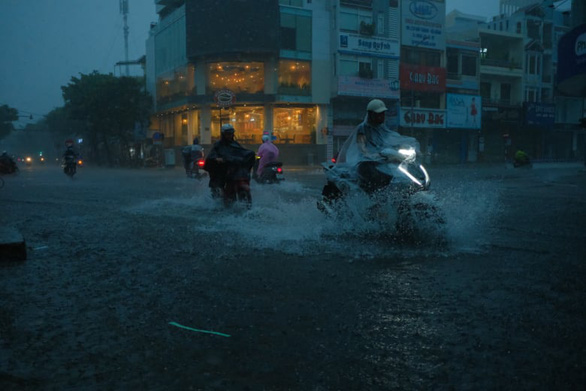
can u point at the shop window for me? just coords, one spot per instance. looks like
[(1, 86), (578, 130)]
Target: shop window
[(295, 32), (294, 77), (295, 125), (247, 77), (248, 122)]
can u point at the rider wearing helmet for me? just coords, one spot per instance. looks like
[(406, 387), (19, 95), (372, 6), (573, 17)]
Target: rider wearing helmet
[(362, 149), (227, 161)]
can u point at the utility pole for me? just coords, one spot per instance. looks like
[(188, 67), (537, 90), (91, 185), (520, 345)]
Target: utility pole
[(124, 12)]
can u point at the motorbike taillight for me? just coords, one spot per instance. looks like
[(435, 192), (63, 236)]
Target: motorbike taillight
[(279, 170), (200, 163)]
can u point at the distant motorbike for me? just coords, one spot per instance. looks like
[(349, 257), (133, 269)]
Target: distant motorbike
[(521, 159), (194, 169), (69, 166), (399, 180), (272, 172)]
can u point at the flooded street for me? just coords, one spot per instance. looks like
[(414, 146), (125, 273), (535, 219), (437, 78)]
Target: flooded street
[(137, 279)]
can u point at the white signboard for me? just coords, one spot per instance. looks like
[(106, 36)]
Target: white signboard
[(464, 111), (423, 24), (422, 118), (369, 46), (356, 86)]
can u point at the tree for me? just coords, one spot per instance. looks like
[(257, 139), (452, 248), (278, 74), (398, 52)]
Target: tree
[(7, 116), (109, 107)]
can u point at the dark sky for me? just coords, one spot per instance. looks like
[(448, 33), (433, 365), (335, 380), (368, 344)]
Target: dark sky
[(46, 42)]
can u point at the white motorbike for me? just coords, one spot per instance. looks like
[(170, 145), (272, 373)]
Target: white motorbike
[(396, 182)]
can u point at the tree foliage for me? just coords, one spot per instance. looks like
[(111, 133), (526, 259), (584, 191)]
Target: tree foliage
[(7, 116), (107, 109)]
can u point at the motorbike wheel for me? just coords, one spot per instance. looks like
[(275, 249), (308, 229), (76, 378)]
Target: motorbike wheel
[(244, 196)]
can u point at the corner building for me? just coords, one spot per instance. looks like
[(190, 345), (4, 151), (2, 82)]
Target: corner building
[(268, 56)]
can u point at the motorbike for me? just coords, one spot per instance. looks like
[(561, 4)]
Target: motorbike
[(8, 166), (193, 169), (69, 165), (231, 183), (398, 182), (272, 173), (521, 159)]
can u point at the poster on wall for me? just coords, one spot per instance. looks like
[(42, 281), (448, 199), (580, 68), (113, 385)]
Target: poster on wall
[(423, 24), (464, 111)]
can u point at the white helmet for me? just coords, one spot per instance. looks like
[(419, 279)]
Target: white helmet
[(227, 128), (376, 105), (265, 138)]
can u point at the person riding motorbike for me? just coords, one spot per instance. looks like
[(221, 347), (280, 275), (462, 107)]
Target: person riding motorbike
[(70, 157), (191, 154), (361, 153), (521, 158), (7, 164), (228, 165), (268, 152)]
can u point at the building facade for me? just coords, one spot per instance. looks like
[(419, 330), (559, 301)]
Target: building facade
[(259, 71), (468, 89)]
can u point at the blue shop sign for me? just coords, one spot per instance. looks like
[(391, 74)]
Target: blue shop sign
[(539, 114)]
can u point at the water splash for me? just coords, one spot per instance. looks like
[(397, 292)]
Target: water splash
[(285, 218)]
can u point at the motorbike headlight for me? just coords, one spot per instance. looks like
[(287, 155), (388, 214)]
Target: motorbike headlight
[(407, 152)]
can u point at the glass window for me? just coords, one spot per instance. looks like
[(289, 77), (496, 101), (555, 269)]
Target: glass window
[(294, 3), (295, 32), (505, 91), (468, 65), (350, 19), (453, 66), (294, 125), (294, 77), (247, 121), (176, 84), (485, 90), (348, 66), (380, 24), (236, 76)]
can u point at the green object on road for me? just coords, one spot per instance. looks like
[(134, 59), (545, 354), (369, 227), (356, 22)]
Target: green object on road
[(199, 331)]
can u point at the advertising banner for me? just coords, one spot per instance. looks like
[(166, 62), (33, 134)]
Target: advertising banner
[(369, 46), (423, 24), (422, 118), (356, 86), (420, 78), (464, 111), (539, 114)]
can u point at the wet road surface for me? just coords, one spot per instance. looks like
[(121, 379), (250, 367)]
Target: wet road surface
[(119, 258)]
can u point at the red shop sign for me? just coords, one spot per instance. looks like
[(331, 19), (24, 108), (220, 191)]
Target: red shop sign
[(420, 78)]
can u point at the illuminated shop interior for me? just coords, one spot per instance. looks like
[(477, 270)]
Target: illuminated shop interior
[(236, 76), (294, 77)]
